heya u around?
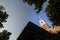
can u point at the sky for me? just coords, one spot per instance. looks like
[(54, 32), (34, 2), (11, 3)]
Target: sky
[(20, 14)]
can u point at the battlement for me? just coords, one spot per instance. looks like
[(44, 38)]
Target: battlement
[(45, 26)]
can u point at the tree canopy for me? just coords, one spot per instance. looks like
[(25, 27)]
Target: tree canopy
[(53, 12), (3, 16), (37, 3), (52, 9), (4, 35)]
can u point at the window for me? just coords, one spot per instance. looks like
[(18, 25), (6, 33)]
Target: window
[(41, 22)]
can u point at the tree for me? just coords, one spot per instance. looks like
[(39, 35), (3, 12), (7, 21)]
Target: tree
[(52, 9), (3, 16), (53, 12), (4, 35), (37, 3)]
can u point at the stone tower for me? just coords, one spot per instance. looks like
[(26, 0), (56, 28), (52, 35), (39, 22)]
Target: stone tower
[(43, 24)]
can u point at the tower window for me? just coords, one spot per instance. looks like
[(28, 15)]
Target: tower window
[(41, 22)]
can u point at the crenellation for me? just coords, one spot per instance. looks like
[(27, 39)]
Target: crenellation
[(45, 26)]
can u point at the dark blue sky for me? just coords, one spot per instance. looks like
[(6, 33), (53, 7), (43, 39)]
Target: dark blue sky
[(19, 15)]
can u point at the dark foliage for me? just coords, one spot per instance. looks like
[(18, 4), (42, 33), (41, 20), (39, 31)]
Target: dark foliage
[(2, 8), (53, 12), (37, 3), (52, 9), (3, 16), (4, 35)]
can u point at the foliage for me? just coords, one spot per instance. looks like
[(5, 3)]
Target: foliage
[(3, 16), (52, 9), (37, 3), (53, 12), (4, 35), (2, 8)]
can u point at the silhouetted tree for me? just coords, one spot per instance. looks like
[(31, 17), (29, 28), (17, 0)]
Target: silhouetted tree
[(53, 12), (52, 9), (37, 3), (4, 35), (3, 16), (2, 8)]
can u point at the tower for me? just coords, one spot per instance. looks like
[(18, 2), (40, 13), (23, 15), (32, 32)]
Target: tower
[(43, 24)]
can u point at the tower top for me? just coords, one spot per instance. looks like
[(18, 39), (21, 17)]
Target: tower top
[(41, 22)]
